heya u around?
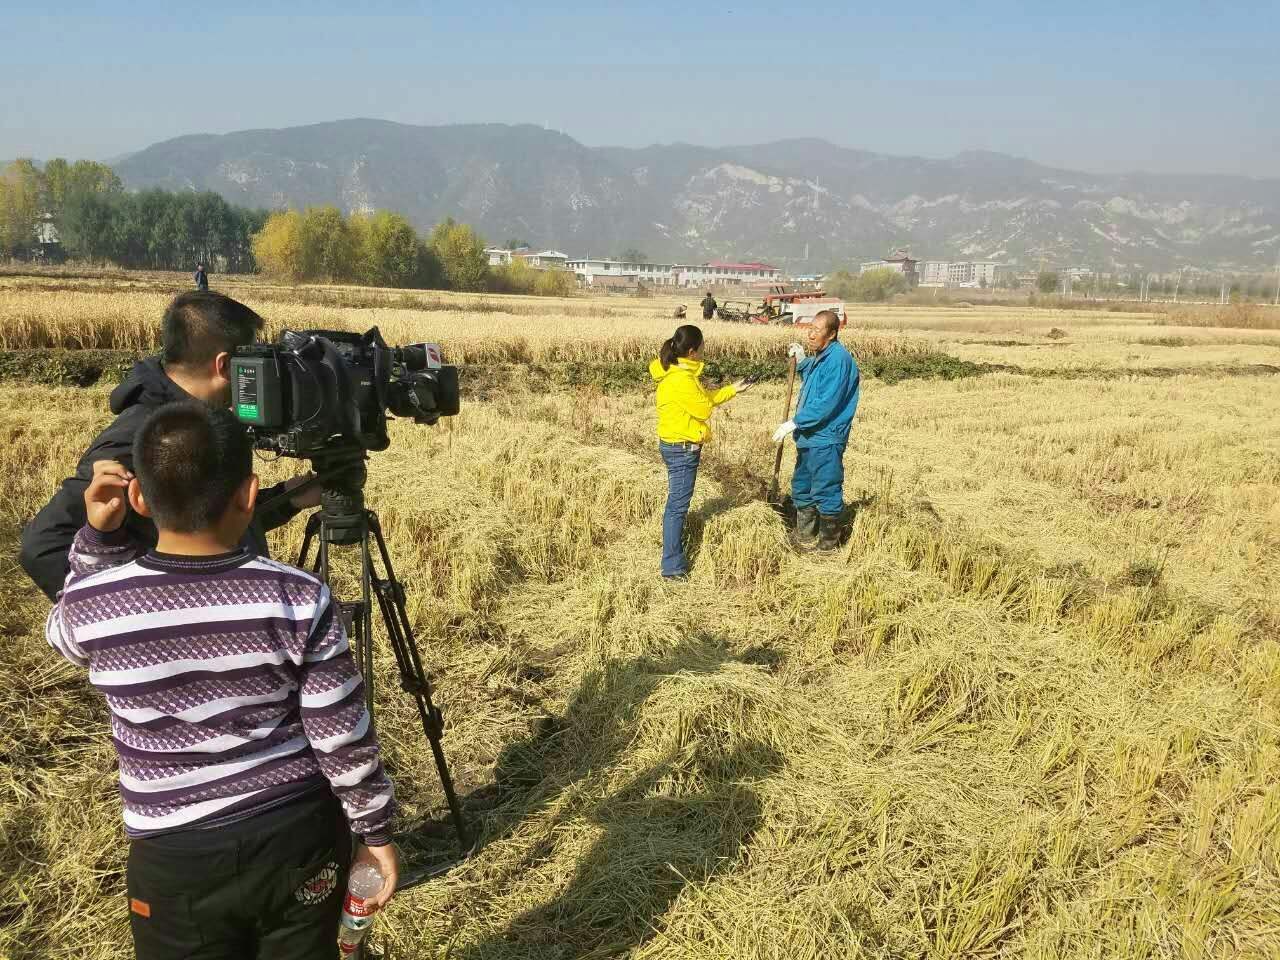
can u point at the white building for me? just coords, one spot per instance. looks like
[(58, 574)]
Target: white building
[(958, 273), (675, 274), (546, 260), (933, 273), (588, 269), (711, 274), (900, 263)]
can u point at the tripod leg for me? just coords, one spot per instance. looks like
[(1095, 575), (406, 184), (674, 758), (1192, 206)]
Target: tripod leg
[(364, 654), (413, 678), (314, 524)]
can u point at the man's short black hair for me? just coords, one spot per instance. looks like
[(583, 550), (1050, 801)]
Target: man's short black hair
[(190, 459), (830, 320), (201, 324)]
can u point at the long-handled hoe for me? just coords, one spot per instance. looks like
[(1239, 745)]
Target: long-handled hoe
[(773, 500)]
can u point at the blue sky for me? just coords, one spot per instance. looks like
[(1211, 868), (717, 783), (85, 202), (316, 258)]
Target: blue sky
[(1166, 87)]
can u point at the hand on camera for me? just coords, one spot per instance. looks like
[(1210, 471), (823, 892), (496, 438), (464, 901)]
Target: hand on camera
[(106, 501), (742, 386), (387, 859), (795, 352), (309, 497)]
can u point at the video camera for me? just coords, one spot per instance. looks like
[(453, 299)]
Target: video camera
[(327, 395), (317, 392)]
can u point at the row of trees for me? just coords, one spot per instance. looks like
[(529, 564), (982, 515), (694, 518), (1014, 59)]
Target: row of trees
[(95, 219), (383, 249), (31, 196), (320, 244), (159, 230)]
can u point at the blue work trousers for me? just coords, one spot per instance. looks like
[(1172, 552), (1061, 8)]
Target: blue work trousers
[(682, 461), (819, 479)]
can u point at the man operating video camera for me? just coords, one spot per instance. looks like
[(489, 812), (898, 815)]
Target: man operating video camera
[(200, 333)]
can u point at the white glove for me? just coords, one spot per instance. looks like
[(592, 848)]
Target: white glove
[(796, 351), (785, 430)]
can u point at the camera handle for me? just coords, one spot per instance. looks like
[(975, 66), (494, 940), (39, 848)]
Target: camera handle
[(358, 617)]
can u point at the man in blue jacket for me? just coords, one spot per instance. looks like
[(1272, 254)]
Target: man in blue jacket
[(821, 423)]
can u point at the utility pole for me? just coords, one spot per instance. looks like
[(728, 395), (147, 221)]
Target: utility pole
[(1276, 302), (1178, 286)]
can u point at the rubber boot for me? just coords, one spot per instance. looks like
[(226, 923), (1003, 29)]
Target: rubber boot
[(806, 526), (829, 533)]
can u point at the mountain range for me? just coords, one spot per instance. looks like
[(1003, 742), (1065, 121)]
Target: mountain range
[(805, 204)]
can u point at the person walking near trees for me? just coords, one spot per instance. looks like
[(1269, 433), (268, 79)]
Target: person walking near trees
[(820, 427), (709, 306), (684, 412), (202, 277)]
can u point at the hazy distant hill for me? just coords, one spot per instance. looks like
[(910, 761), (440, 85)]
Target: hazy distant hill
[(769, 201)]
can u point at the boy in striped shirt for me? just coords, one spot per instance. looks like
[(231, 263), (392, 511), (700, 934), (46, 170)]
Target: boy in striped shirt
[(247, 757)]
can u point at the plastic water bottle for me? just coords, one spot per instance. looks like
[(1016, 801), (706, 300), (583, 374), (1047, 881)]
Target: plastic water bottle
[(357, 914)]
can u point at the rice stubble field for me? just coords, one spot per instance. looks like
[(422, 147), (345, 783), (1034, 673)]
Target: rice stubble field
[(1031, 708)]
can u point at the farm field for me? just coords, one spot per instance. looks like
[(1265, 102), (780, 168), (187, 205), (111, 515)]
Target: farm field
[(1031, 709)]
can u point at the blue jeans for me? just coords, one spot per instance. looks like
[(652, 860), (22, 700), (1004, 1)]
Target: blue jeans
[(819, 479), (682, 472)]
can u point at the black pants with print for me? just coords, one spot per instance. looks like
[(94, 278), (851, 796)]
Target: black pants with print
[(269, 887)]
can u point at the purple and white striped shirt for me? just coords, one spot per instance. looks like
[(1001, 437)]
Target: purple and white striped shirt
[(231, 686)]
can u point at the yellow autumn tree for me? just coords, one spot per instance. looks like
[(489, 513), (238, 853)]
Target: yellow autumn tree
[(277, 247), (19, 207), (328, 246), (388, 249)]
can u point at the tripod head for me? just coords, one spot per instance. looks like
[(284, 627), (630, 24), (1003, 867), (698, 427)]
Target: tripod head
[(341, 475)]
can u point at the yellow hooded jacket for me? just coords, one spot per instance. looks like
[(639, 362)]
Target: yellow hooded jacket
[(684, 406)]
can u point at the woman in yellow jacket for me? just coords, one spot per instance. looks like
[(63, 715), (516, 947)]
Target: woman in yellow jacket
[(684, 412)]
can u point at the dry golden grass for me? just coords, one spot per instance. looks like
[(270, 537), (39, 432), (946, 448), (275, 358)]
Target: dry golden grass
[(1031, 710), (473, 330), (123, 312), (1246, 316)]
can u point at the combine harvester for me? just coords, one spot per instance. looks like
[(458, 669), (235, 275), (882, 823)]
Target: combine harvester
[(779, 307)]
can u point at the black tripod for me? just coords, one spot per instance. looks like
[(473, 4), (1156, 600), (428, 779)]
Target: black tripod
[(343, 520)]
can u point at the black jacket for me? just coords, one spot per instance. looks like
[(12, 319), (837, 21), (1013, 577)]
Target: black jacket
[(202, 280), (708, 306), (46, 540)]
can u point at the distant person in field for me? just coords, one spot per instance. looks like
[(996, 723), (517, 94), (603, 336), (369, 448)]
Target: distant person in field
[(202, 278), (680, 312), (197, 335), (709, 306), (820, 427), (684, 412), (247, 758)]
